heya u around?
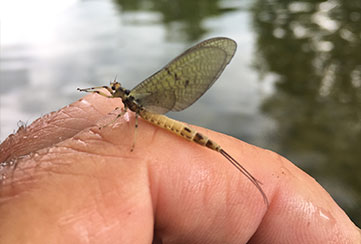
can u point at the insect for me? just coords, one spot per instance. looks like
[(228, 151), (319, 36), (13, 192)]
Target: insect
[(177, 86)]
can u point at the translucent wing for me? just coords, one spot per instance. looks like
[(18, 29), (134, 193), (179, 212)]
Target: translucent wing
[(181, 82)]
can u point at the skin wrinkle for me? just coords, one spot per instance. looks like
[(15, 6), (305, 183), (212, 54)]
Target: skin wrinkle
[(83, 118), (97, 154), (95, 131), (100, 200), (51, 120), (93, 139), (59, 123), (84, 212), (32, 171), (274, 199), (16, 187), (105, 139), (62, 125), (153, 187), (66, 113), (220, 216), (88, 153), (115, 109), (89, 105)]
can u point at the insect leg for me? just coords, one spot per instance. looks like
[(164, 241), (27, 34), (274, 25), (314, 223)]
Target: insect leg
[(96, 90), (122, 112), (135, 132)]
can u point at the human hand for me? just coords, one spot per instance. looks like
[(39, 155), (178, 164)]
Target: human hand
[(81, 184)]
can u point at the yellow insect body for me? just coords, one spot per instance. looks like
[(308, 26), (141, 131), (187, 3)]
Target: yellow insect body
[(177, 86)]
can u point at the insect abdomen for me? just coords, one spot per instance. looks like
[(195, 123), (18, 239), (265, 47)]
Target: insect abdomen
[(179, 128)]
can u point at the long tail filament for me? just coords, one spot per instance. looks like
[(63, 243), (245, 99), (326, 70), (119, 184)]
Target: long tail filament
[(246, 173)]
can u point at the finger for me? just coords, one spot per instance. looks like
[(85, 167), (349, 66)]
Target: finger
[(57, 126)]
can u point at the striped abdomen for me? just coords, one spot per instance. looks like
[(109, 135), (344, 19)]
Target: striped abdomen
[(191, 135), (179, 128)]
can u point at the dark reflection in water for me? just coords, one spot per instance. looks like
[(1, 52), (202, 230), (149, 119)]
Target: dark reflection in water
[(314, 50), (188, 13)]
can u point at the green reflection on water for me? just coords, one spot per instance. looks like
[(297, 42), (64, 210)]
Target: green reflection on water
[(314, 48), (188, 13)]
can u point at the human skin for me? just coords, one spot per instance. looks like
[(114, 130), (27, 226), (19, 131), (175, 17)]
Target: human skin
[(77, 183)]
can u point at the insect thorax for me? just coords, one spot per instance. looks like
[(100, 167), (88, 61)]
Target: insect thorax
[(130, 103)]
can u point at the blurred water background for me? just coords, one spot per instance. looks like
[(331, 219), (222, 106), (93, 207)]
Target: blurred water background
[(294, 85)]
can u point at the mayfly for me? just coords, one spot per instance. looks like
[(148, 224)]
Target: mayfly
[(175, 87)]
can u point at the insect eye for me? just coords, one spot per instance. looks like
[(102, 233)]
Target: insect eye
[(113, 86)]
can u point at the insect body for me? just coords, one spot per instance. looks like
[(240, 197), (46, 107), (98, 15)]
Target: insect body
[(175, 87)]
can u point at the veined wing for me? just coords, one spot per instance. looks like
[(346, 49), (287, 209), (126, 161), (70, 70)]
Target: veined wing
[(182, 81)]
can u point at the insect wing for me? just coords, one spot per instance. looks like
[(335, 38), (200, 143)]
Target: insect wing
[(181, 82)]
